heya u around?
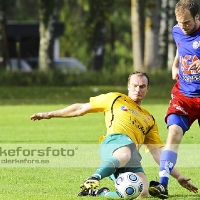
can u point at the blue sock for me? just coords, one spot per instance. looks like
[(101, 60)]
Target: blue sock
[(167, 163), (106, 168)]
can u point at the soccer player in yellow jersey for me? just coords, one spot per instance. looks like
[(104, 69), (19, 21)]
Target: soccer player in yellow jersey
[(128, 127)]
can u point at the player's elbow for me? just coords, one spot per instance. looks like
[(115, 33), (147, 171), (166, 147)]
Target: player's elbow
[(174, 76)]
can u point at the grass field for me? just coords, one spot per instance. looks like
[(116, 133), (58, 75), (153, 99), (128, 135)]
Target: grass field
[(61, 177)]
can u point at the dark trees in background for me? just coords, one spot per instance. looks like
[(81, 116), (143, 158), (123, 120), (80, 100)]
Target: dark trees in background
[(137, 25), (105, 28), (98, 17), (152, 27), (47, 16), (3, 38), (169, 41)]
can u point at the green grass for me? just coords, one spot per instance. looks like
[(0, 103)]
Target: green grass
[(67, 95), (57, 183)]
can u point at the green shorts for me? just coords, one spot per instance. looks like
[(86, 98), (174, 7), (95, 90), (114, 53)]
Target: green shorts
[(115, 141)]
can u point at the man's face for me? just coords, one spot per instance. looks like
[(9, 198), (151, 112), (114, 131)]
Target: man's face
[(187, 23), (137, 88)]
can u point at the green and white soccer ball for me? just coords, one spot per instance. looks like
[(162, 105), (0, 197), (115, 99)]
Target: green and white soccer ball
[(128, 185)]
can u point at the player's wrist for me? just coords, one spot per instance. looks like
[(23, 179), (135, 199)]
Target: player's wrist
[(50, 114)]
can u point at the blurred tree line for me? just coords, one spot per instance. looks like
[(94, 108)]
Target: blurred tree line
[(113, 35)]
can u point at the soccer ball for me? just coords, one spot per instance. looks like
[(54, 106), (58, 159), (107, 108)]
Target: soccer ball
[(128, 185)]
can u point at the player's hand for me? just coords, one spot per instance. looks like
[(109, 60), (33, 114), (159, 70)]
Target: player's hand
[(39, 116), (184, 182), (195, 66)]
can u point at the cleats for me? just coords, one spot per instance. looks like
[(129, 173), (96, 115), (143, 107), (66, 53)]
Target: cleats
[(90, 183), (83, 193), (89, 188), (158, 190), (94, 192), (100, 191)]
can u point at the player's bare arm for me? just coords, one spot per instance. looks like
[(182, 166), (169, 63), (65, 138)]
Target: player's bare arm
[(73, 110), (183, 181), (175, 67), (156, 154)]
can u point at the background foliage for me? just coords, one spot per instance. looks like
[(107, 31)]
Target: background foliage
[(90, 25)]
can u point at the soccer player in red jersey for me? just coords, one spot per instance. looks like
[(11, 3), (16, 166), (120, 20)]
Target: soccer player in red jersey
[(184, 107)]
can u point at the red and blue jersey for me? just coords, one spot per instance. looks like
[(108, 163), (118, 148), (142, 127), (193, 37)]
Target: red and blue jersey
[(188, 47)]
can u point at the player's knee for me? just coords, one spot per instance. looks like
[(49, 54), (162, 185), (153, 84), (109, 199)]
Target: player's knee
[(124, 158), (123, 155)]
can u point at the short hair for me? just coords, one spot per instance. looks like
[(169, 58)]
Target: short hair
[(190, 5), (139, 74)]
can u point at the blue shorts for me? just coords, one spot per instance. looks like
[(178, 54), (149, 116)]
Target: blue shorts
[(115, 141), (180, 120)]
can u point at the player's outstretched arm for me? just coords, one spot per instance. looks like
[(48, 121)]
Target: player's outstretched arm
[(73, 110), (183, 181)]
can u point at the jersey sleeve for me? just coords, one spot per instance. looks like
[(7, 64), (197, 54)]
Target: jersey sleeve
[(152, 139), (101, 102)]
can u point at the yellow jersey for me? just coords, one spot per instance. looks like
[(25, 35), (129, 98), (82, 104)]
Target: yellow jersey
[(123, 115)]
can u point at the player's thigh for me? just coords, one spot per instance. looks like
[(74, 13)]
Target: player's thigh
[(112, 143), (135, 160), (180, 120)]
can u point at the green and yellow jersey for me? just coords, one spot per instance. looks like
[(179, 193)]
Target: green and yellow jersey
[(123, 115)]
